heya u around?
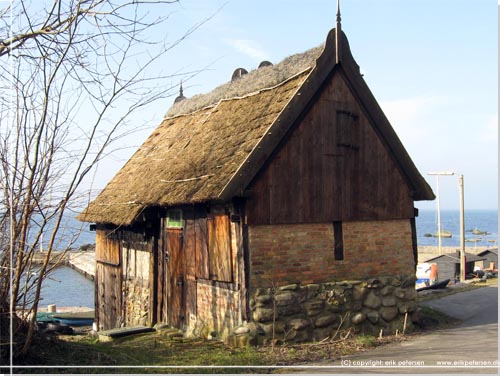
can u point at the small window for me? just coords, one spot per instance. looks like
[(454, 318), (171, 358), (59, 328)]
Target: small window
[(174, 218), (338, 241)]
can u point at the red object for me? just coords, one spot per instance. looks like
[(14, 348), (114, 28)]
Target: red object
[(433, 276)]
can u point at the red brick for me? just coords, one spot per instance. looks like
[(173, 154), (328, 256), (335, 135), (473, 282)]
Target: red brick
[(304, 252)]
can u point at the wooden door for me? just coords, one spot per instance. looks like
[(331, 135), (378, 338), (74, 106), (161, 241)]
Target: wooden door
[(108, 281), (160, 271), (176, 290), (109, 298)]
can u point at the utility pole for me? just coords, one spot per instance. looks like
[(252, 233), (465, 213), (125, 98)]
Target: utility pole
[(438, 174), (462, 228)]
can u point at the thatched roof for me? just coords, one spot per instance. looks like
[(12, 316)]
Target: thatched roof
[(190, 158), (265, 77), (210, 147)]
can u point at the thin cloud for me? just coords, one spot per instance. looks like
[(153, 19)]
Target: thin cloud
[(407, 111), (248, 48), (409, 116)]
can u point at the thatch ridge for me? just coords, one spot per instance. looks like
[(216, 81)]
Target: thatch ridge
[(249, 94), (256, 80)]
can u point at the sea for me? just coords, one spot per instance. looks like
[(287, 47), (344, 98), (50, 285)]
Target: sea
[(482, 220), (68, 288)]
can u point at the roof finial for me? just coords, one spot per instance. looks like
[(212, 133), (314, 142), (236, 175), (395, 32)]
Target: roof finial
[(338, 32), (338, 13), (181, 94)]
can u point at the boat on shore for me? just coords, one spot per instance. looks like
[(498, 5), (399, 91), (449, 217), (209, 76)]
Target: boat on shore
[(435, 286), (85, 318)]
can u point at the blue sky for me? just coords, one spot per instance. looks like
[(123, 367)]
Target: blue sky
[(431, 64)]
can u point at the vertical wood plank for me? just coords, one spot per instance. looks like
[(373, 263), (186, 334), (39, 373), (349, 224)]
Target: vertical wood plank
[(333, 166), (176, 278), (201, 247), (219, 248)]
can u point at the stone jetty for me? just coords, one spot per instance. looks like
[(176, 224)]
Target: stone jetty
[(82, 261)]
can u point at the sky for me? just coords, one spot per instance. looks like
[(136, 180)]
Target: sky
[(431, 64)]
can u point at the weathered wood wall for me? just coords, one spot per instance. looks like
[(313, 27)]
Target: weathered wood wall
[(205, 250), (151, 273), (123, 269), (331, 167), (108, 281)]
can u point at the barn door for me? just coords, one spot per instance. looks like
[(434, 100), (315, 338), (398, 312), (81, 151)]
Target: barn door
[(108, 280), (176, 290), (108, 289)]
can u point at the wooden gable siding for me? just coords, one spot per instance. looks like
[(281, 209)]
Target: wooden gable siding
[(331, 167)]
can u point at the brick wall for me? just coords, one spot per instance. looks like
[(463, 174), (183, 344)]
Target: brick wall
[(305, 252)]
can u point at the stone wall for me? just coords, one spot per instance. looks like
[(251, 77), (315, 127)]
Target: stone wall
[(313, 312), (304, 253)]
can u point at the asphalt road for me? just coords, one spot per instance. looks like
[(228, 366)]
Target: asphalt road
[(470, 348)]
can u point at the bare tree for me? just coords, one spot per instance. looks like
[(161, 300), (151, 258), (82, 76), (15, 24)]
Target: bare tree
[(73, 72)]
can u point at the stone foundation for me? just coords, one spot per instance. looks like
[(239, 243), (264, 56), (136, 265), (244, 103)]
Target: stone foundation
[(313, 312)]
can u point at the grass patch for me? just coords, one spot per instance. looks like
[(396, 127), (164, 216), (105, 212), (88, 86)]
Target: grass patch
[(366, 340), (150, 349), (432, 319), (154, 349)]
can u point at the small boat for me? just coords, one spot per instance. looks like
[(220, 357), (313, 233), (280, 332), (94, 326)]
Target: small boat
[(75, 318), (435, 286), (66, 318), (444, 234), (475, 240), (476, 231)]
